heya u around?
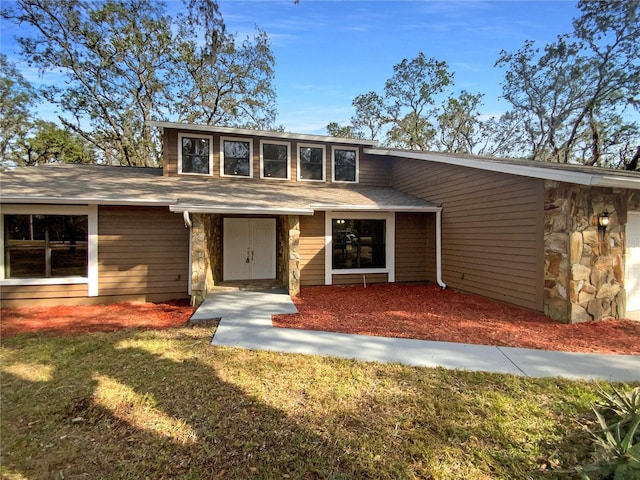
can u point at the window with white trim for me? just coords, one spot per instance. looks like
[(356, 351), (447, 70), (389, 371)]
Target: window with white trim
[(45, 246), (311, 162), (195, 154), (49, 245), (275, 159), (236, 157), (359, 243), (345, 164)]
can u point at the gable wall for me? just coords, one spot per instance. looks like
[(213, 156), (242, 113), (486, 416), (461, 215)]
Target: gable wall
[(492, 228), (373, 171)]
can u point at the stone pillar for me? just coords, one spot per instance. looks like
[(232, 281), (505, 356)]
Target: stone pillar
[(198, 260), (201, 271), (294, 255), (556, 268), (584, 267), (213, 232)]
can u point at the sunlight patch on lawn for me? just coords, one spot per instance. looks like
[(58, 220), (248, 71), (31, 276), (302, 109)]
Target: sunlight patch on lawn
[(141, 411), (158, 347), (31, 372)]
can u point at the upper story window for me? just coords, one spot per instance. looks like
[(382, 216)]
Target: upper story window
[(195, 154), (275, 159), (236, 157), (345, 164), (311, 162)]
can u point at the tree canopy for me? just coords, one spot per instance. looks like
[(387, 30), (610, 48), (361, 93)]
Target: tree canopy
[(127, 62), (575, 100)]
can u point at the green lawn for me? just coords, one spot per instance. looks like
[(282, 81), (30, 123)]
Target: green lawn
[(165, 404)]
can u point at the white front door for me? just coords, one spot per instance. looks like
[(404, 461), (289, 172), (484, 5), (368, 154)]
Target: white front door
[(249, 249), (632, 276)]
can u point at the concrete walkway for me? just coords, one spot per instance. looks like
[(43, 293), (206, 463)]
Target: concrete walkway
[(246, 323)]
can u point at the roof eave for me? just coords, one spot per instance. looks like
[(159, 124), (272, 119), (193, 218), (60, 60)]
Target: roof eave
[(581, 178), (376, 208), (191, 208), (262, 133), (31, 199)]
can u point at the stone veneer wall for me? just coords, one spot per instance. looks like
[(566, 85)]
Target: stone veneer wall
[(584, 269)]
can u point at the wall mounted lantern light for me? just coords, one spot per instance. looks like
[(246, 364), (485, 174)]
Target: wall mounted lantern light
[(603, 221)]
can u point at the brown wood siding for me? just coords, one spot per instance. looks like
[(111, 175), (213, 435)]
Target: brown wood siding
[(374, 171), (312, 249), (359, 279), (492, 228), (170, 152), (411, 247), (35, 295), (142, 253)]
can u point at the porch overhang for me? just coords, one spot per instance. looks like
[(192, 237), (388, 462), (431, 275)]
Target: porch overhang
[(236, 210), (377, 208)]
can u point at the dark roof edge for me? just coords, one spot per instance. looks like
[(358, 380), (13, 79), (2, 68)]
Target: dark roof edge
[(261, 133)]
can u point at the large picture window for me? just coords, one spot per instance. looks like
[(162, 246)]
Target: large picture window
[(345, 165), (45, 246), (274, 158), (311, 162), (235, 158), (195, 155), (358, 243)]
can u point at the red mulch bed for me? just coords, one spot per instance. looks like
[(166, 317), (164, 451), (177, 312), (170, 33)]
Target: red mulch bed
[(94, 318), (428, 313)]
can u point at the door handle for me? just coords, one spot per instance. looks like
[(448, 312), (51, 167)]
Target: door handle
[(247, 261), (252, 255)]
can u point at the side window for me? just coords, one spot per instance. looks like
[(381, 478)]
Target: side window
[(195, 154), (274, 160), (345, 164), (45, 246), (236, 157), (311, 162)]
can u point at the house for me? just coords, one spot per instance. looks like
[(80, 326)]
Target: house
[(245, 205)]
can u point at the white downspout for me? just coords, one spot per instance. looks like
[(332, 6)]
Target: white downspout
[(439, 250), (188, 224)]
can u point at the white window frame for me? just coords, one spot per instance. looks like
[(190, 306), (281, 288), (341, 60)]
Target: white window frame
[(92, 245), (236, 139), (390, 246), (274, 142), (324, 162), (209, 138), (333, 164)]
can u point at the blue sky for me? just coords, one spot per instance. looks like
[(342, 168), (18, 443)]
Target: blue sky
[(327, 52)]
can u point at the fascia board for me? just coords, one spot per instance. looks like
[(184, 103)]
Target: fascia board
[(181, 208), (31, 199), (375, 208)]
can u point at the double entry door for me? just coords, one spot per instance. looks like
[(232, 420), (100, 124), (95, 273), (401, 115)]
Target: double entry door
[(249, 248)]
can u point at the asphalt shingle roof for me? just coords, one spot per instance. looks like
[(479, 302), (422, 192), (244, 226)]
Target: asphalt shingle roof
[(67, 183)]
